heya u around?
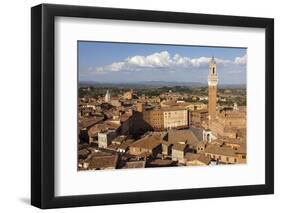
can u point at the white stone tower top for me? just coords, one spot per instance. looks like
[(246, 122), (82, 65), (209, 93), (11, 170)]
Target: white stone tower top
[(212, 77), (107, 97)]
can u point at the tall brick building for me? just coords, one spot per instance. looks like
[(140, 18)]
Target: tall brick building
[(155, 118)]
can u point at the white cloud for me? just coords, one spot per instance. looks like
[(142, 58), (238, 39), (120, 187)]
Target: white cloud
[(161, 59), (241, 60), (165, 61), (116, 66)]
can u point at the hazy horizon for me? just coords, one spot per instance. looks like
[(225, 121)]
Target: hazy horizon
[(148, 81)]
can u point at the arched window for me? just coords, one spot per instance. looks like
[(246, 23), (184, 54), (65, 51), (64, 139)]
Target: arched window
[(213, 70), (208, 137)]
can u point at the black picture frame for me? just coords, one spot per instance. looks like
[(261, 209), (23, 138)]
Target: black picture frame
[(43, 111)]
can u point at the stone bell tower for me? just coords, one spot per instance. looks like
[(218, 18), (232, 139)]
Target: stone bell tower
[(212, 89)]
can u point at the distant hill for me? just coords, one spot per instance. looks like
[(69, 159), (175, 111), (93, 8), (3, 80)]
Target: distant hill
[(154, 84)]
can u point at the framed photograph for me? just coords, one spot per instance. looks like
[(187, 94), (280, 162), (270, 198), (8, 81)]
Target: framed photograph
[(136, 106)]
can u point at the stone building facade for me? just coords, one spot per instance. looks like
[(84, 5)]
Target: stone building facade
[(229, 123), (105, 138), (166, 118), (174, 118)]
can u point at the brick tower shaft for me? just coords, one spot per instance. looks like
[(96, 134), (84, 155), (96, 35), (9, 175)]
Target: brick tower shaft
[(212, 90)]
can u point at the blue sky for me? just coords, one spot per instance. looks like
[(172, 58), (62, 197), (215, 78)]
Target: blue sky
[(132, 62)]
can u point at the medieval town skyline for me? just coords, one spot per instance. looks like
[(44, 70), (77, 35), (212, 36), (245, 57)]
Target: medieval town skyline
[(162, 126)]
